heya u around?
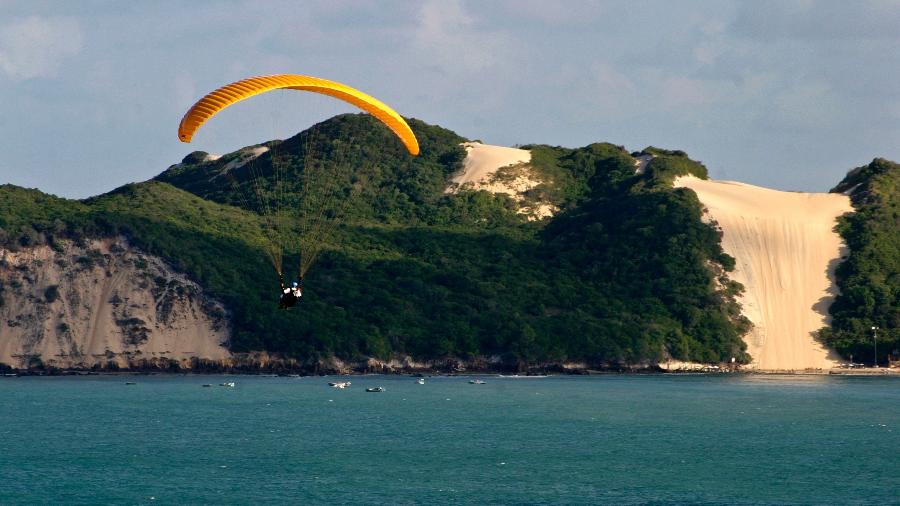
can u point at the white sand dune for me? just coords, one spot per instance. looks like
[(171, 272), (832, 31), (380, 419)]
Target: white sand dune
[(786, 251), (499, 169), (247, 155), (483, 160)]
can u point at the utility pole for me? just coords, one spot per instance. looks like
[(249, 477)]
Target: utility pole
[(875, 342)]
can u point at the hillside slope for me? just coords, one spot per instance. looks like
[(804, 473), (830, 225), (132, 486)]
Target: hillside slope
[(786, 252), (624, 273), (869, 280), (103, 303)]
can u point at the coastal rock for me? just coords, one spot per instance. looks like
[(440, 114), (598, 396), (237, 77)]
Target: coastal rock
[(103, 303)]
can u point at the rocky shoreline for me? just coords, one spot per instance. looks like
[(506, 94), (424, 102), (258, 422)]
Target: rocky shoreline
[(264, 363), (261, 363)]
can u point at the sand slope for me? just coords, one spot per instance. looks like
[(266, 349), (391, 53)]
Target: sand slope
[(786, 251), (499, 169), (483, 160), (103, 302)]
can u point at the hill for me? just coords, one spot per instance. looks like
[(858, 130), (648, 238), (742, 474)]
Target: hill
[(869, 278), (626, 272)]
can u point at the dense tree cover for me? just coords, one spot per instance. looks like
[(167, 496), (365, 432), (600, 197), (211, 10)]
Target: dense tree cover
[(397, 189), (869, 278), (641, 248), (29, 217), (626, 272)]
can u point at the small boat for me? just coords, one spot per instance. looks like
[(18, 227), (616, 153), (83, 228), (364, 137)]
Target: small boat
[(375, 389), (476, 382), (420, 381), (339, 384), (229, 384), (130, 383), (207, 385)]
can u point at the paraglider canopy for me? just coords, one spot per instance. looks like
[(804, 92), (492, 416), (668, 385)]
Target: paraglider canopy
[(215, 101)]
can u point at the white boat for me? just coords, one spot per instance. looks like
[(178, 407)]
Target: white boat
[(339, 384), (229, 384), (476, 382), (375, 389), (420, 381)]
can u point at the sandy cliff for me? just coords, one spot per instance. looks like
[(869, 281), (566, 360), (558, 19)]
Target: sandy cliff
[(101, 302), (786, 251), (499, 169)]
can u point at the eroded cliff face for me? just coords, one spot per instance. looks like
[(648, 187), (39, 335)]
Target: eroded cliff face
[(101, 303)]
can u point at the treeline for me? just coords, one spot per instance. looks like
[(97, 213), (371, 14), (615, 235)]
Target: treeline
[(350, 149), (869, 278)]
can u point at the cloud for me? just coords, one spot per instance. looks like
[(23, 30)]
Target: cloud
[(807, 105), (610, 80), (678, 91), (463, 63), (584, 12), (824, 20), (603, 88), (37, 46), (450, 38)]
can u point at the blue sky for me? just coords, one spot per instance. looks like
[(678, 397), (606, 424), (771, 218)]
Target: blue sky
[(785, 94)]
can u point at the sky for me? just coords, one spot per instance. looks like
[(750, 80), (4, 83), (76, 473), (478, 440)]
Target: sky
[(784, 94)]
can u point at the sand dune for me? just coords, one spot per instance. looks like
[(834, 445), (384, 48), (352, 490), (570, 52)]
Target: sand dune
[(786, 251), (499, 169), (482, 162)]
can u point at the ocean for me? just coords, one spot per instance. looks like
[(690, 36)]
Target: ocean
[(617, 439)]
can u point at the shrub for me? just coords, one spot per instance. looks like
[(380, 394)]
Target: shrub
[(51, 293)]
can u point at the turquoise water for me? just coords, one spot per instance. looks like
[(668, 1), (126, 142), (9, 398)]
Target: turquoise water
[(558, 440)]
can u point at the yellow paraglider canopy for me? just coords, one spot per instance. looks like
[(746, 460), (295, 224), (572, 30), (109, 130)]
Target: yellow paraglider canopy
[(212, 103)]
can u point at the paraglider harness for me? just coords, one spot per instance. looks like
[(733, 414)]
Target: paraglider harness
[(290, 294)]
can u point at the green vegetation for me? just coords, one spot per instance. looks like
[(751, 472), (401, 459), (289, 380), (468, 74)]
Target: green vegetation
[(621, 275), (399, 189), (667, 165), (642, 252), (869, 279)]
